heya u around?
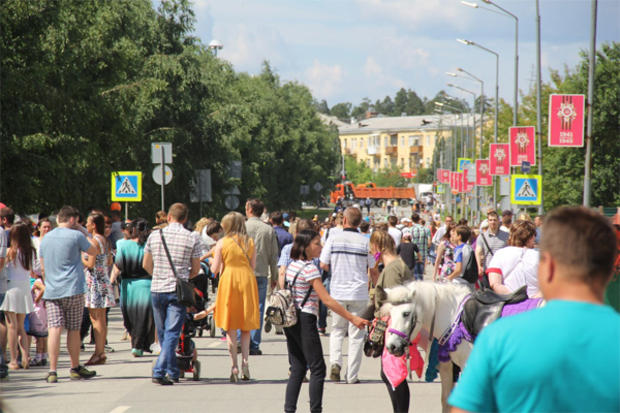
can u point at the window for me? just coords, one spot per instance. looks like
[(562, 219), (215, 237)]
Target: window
[(393, 161), (402, 141), (428, 139), (394, 140), (385, 142), (415, 140), (402, 162), (345, 144), (385, 162), (353, 143)]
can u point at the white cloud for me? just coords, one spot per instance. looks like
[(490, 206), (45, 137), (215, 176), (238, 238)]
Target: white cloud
[(324, 80), (416, 12)]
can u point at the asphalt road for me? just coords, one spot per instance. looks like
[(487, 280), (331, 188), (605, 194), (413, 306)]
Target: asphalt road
[(124, 384)]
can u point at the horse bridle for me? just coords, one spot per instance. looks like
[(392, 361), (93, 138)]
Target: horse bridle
[(405, 337)]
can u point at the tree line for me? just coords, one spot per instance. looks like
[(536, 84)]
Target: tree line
[(88, 85)]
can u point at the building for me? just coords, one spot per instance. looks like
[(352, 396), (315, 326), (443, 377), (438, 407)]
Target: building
[(407, 142)]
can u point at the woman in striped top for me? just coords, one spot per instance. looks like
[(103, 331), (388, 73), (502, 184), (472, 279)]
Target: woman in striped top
[(302, 339)]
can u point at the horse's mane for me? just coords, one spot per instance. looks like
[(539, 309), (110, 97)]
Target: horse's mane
[(400, 294)]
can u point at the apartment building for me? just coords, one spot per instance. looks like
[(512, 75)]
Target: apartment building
[(407, 142)]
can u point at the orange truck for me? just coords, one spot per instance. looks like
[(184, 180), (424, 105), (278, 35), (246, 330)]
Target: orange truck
[(358, 193)]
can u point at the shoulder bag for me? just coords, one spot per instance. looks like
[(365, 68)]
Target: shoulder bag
[(281, 310), (184, 290)]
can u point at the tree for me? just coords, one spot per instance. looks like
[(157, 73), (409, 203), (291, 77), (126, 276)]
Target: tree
[(342, 111), (321, 106)]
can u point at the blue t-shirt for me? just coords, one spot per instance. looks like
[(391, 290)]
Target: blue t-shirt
[(61, 251), (563, 357)]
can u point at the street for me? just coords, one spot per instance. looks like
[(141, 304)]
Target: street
[(124, 385)]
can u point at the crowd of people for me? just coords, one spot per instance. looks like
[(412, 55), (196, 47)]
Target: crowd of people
[(67, 272)]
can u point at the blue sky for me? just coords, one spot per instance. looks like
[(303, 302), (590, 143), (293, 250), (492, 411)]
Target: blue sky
[(345, 50)]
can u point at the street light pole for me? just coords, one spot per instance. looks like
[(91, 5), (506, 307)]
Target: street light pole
[(538, 102), (592, 63), (516, 80)]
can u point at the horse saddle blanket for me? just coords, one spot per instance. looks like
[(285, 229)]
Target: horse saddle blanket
[(485, 306)]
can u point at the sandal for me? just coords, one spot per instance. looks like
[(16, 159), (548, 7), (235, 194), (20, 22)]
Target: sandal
[(234, 375), (13, 366), (96, 359)]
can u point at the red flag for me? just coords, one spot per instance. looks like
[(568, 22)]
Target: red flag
[(566, 114), (498, 159), (468, 185), (483, 173), (522, 145)]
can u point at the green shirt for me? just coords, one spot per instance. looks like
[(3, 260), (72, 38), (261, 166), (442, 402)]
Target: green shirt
[(394, 274)]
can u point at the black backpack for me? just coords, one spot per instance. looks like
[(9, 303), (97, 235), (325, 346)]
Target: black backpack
[(470, 271)]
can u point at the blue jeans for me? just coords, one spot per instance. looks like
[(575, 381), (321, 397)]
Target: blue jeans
[(169, 317), (255, 336), (418, 271)]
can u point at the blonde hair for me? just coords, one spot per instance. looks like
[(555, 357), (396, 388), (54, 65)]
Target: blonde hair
[(234, 225), (202, 222), (383, 241)]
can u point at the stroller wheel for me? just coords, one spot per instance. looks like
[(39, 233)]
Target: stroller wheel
[(212, 327), (196, 365)]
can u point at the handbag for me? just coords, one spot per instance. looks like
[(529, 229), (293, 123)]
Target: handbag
[(281, 310), (184, 290)]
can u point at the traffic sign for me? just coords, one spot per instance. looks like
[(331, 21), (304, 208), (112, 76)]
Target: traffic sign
[(526, 167), (440, 189), (461, 162), (127, 186), (317, 187), (525, 189), (157, 175), (157, 147)]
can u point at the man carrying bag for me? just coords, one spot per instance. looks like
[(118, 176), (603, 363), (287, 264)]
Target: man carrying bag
[(170, 255)]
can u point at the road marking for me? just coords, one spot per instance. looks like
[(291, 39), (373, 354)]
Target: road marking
[(120, 409)]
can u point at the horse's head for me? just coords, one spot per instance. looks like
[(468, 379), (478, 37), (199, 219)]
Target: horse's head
[(404, 314)]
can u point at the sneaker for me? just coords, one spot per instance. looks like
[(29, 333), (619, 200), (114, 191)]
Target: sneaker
[(164, 381), (354, 381), (334, 375), (81, 372), (255, 352), (323, 332), (136, 353), (52, 377), (156, 349), (267, 326)]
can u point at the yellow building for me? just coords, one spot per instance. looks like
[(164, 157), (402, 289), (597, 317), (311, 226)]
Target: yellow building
[(407, 142)]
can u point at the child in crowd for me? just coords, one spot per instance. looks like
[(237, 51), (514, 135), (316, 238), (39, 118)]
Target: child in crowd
[(37, 322), (463, 250)]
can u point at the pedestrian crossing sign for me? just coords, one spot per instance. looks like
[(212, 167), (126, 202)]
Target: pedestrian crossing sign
[(127, 186), (525, 189), (462, 163)]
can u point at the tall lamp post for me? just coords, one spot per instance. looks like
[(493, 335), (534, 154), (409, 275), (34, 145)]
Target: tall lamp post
[(470, 43), (516, 85), (472, 145)]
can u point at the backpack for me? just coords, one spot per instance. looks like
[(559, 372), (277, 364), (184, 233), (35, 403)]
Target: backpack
[(281, 310), (470, 271)]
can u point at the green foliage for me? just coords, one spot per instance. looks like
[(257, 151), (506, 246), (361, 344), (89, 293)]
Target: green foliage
[(563, 168), (359, 173), (89, 85)]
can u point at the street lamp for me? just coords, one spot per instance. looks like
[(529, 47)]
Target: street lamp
[(215, 45), (471, 76), (516, 85), (470, 43)]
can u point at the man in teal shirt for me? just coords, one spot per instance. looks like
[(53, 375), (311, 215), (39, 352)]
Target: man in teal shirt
[(563, 357)]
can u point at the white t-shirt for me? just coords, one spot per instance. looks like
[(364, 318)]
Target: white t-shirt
[(348, 257), (396, 235), (518, 266)]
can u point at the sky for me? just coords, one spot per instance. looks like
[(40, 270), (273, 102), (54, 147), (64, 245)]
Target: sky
[(346, 50)]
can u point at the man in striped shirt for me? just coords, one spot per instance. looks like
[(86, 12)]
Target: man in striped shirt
[(346, 255)]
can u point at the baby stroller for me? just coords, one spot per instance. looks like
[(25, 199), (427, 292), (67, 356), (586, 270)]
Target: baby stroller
[(201, 283), (187, 357)]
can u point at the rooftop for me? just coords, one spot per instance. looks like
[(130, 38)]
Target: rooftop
[(404, 123)]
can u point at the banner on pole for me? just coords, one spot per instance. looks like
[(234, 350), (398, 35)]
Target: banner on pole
[(443, 176), (499, 163), (522, 145), (566, 114), (483, 173)]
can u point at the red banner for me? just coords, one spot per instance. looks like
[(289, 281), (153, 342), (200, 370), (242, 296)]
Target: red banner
[(468, 185), (499, 163), (566, 114), (483, 173), (443, 176), (522, 145)]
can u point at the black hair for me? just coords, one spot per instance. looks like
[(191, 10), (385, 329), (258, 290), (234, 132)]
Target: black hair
[(139, 228), (302, 240)]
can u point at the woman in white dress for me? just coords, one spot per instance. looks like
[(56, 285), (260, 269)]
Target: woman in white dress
[(18, 300)]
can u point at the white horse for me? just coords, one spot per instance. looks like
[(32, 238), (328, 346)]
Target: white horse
[(429, 305)]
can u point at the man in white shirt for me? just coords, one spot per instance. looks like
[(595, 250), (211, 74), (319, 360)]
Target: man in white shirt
[(346, 255), (394, 232)]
